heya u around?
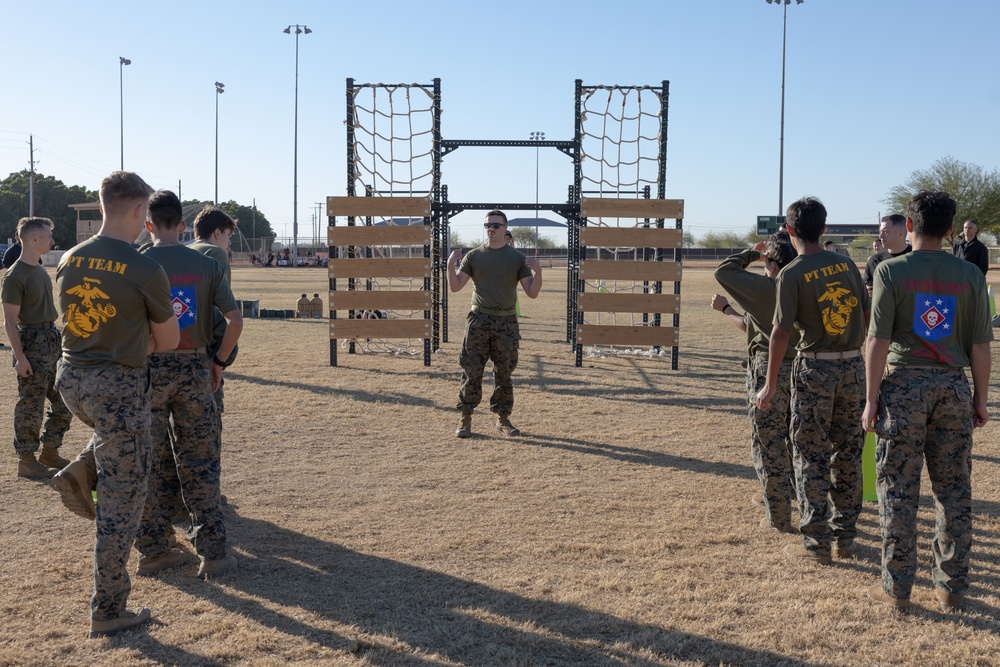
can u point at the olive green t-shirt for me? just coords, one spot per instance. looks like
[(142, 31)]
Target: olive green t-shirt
[(29, 286), (822, 296), (108, 294), (932, 306), (495, 274), (755, 293), (197, 287), (216, 253)]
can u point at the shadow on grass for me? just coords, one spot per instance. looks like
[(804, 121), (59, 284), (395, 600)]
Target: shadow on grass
[(396, 613), (643, 456)]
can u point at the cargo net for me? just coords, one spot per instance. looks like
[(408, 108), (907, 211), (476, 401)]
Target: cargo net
[(620, 154), (393, 146), (395, 346), (393, 155)]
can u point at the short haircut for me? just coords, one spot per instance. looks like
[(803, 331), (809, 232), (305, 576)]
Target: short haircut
[(895, 219), (932, 213), (807, 217), (497, 211), (120, 188), (507, 233), (209, 220), (165, 210), (973, 223), (29, 225), (779, 249), (829, 243)]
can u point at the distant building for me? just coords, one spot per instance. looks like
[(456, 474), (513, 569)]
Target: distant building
[(851, 230)]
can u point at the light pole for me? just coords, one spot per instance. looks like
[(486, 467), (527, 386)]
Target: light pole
[(299, 29), (121, 96), (219, 89), (781, 155), (536, 136)]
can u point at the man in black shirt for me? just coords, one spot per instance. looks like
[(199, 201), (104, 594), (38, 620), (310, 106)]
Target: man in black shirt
[(971, 249)]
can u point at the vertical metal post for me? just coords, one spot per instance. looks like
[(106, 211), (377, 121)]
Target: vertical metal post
[(438, 234)]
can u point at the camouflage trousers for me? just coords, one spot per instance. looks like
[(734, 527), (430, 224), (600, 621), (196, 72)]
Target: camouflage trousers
[(33, 423), (186, 448), (924, 414), (489, 337), (114, 401), (828, 398), (770, 446)]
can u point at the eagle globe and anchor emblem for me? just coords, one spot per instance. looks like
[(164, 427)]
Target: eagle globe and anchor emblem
[(837, 316), (85, 318)]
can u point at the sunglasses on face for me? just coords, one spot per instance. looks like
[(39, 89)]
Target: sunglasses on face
[(493, 225)]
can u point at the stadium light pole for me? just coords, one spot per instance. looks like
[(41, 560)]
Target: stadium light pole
[(121, 98), (299, 29), (536, 136), (219, 89), (781, 154)]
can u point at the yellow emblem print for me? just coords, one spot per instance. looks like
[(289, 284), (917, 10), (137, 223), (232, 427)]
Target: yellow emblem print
[(84, 319), (837, 315)]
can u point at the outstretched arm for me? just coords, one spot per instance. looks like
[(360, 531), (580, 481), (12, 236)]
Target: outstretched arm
[(721, 304)]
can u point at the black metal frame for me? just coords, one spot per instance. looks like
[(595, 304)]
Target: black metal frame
[(442, 210)]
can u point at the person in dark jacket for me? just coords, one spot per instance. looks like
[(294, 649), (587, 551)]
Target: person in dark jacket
[(971, 249)]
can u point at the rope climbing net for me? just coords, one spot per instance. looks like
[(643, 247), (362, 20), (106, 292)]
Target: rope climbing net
[(620, 158), (392, 154)]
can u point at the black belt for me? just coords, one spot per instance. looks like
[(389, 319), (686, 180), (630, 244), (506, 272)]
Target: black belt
[(42, 326)]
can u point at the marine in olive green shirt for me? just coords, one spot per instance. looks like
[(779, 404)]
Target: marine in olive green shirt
[(108, 295)]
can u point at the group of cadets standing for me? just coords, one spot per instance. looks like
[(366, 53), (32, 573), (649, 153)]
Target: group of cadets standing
[(922, 317), (137, 363)]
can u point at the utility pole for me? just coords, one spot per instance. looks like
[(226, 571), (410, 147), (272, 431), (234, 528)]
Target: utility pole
[(31, 177)]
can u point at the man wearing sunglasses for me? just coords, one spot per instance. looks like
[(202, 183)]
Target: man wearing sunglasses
[(491, 331)]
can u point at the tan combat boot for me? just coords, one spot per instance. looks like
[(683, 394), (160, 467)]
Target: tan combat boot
[(49, 456), (465, 428), (213, 568), (75, 484), (128, 619), (29, 468), (505, 427)]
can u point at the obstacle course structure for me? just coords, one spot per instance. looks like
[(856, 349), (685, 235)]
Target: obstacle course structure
[(395, 152)]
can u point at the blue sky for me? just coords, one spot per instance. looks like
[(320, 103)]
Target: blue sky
[(875, 90)]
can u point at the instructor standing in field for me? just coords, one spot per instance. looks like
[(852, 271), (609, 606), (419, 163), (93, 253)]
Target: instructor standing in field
[(491, 330)]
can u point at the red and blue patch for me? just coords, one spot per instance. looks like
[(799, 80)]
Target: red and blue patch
[(185, 306), (934, 316)]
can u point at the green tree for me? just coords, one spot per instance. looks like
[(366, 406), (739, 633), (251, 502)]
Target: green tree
[(976, 191), (454, 240), (723, 240), (753, 238), (251, 221), (524, 238), (689, 240), (52, 200)]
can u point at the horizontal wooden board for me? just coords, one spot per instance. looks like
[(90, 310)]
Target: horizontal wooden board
[(631, 208), (628, 302), (379, 300), (380, 329), (608, 269), (414, 207), (362, 235), (380, 268), (599, 334), (630, 237)]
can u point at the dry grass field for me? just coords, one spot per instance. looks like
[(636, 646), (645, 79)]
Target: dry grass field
[(616, 531)]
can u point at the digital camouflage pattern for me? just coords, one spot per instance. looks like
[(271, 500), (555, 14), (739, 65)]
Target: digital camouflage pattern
[(182, 396), (770, 446), (924, 414), (828, 397), (33, 424), (114, 401), (489, 337)]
